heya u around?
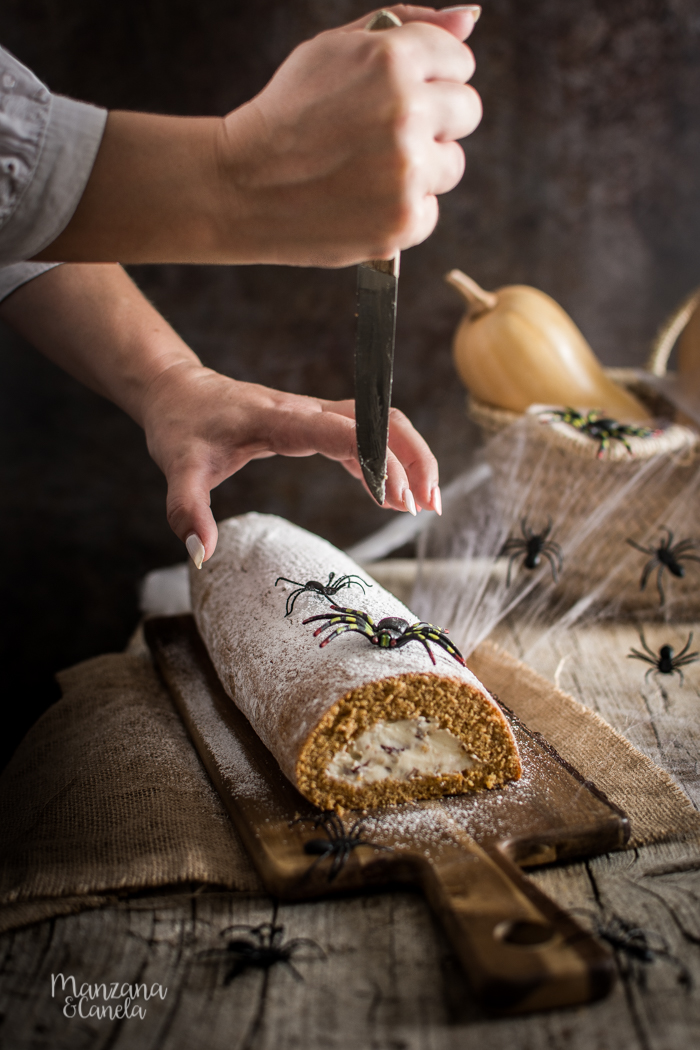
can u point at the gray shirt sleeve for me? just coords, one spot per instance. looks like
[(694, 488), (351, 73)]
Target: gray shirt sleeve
[(15, 275), (48, 145)]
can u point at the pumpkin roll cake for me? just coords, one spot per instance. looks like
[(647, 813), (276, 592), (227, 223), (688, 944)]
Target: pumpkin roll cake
[(359, 703)]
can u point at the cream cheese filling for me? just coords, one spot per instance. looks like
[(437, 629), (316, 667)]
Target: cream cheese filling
[(403, 750)]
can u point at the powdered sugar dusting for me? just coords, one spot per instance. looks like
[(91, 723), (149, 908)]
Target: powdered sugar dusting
[(271, 665)]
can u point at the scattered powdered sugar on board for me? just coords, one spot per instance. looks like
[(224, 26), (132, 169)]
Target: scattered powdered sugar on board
[(414, 823), (229, 751)]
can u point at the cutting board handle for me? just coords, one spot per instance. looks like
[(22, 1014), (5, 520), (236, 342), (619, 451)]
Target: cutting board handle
[(520, 951)]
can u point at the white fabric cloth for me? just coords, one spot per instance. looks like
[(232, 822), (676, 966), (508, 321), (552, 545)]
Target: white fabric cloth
[(48, 145)]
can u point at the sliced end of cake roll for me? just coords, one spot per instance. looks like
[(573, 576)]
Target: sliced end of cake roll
[(412, 736)]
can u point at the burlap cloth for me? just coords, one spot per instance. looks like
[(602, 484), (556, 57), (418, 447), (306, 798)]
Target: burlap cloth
[(106, 795)]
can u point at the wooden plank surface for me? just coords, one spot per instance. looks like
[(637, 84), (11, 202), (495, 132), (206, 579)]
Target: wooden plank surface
[(390, 980), (658, 714)]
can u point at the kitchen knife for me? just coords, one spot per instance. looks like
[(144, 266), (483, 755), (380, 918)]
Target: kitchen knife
[(377, 287)]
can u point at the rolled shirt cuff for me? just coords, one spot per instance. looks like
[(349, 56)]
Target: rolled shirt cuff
[(15, 275), (71, 141)]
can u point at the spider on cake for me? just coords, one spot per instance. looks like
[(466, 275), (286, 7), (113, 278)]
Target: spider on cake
[(392, 632)]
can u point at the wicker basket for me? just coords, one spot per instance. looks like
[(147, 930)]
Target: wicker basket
[(570, 484)]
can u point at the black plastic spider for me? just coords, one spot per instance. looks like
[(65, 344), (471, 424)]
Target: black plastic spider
[(533, 545), (599, 427), (664, 662), (666, 556), (263, 952), (390, 633), (326, 590), (636, 949), (338, 844)]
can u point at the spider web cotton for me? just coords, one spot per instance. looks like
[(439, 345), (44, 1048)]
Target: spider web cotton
[(594, 507)]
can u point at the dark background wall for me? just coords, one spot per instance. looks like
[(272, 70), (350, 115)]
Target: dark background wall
[(583, 179)]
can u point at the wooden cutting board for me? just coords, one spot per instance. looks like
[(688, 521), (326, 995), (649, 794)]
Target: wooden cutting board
[(520, 951)]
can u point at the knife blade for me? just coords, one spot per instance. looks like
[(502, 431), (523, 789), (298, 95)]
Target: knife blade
[(377, 288)]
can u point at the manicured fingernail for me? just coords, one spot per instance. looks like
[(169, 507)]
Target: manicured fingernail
[(436, 500), (409, 502), (195, 549), (473, 9)]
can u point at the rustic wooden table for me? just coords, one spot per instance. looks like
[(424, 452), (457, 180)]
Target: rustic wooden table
[(389, 980)]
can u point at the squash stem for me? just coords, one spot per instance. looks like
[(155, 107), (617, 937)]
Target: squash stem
[(480, 301)]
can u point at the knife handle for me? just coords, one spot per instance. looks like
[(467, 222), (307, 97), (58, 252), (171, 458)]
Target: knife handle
[(390, 266), (384, 20)]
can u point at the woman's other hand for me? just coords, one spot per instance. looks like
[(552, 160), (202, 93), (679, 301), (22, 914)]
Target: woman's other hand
[(202, 427)]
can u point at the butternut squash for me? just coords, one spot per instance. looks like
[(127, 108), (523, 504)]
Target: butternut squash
[(517, 347)]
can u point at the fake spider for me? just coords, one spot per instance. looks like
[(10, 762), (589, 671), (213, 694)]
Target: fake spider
[(666, 556), (326, 590), (599, 427), (533, 546), (635, 948), (390, 633), (262, 951), (338, 844), (664, 662)]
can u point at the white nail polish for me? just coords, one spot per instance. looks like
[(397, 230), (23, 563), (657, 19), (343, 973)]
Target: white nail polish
[(195, 549), (473, 9), (436, 500), (409, 502)]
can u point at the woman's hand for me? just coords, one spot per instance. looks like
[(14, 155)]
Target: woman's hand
[(201, 427), (340, 157)]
